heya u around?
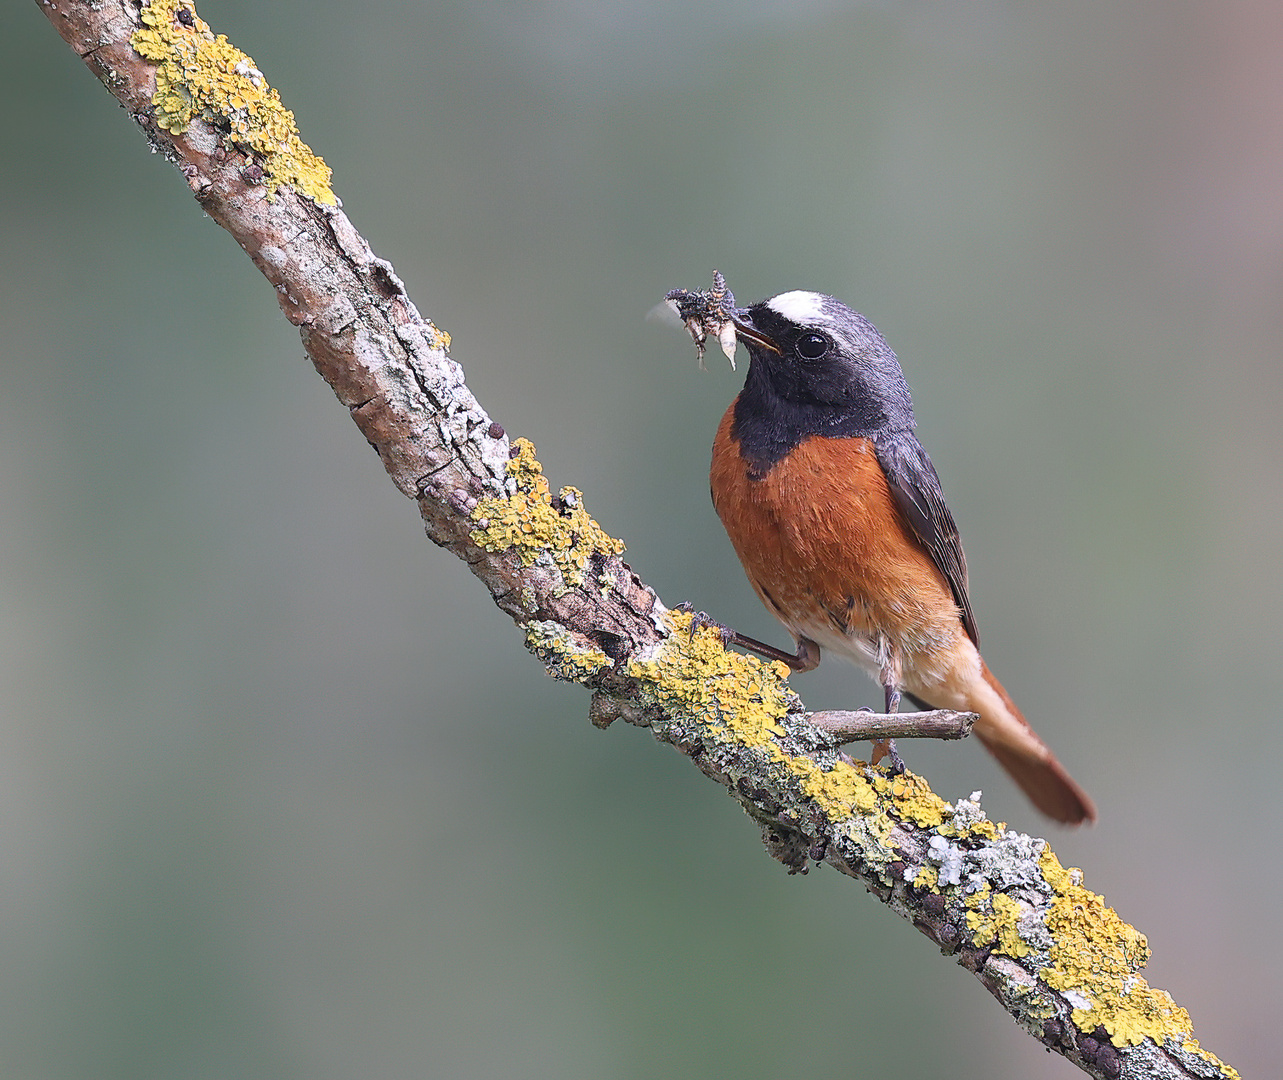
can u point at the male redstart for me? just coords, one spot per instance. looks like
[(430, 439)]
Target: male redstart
[(837, 514)]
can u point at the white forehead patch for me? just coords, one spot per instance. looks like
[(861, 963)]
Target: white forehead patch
[(799, 306)]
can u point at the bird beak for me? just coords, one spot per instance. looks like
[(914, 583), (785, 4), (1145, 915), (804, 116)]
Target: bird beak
[(745, 329)]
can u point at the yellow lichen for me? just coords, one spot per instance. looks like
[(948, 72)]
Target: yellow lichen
[(927, 878), (982, 830), (997, 923), (914, 799), (1094, 959), (198, 74), (968, 824), (978, 907), (695, 673), (840, 791), (528, 522), (1190, 1046), (564, 656)]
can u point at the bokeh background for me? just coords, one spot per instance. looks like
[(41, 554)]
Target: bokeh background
[(281, 794)]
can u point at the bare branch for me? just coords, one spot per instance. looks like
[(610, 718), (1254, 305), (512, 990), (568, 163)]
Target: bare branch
[(1061, 962), (861, 726)]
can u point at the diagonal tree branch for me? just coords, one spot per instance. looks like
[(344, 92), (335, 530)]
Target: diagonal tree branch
[(1061, 962)]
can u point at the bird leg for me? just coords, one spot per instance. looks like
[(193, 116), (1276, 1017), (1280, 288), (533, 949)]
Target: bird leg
[(806, 657), (889, 676)]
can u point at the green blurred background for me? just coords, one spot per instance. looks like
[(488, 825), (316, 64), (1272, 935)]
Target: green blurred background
[(281, 794)]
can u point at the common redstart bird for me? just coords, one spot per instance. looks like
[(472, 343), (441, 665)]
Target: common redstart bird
[(837, 514)]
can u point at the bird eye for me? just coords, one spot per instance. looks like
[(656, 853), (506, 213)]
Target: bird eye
[(812, 346)]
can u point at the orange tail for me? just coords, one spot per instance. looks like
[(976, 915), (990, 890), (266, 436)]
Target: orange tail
[(1006, 734)]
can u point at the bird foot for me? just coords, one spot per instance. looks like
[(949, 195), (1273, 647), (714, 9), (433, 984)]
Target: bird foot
[(701, 620), (806, 657)]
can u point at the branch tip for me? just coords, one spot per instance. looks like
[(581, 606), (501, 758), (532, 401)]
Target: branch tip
[(839, 728)]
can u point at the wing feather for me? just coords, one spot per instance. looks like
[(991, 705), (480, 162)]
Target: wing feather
[(917, 492)]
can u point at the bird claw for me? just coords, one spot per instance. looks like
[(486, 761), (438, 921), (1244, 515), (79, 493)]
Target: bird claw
[(886, 748), (701, 620)]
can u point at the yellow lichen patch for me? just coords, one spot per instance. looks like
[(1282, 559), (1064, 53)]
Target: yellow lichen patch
[(981, 830), (997, 923), (1190, 1046), (839, 791), (984, 829), (563, 655), (198, 74), (695, 673), (914, 799), (528, 522), (927, 878), (978, 908), (1093, 960)]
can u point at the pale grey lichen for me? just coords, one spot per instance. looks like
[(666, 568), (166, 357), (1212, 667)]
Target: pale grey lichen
[(967, 812), (1010, 861), (949, 857)]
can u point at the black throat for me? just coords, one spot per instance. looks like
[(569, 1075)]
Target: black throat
[(768, 426)]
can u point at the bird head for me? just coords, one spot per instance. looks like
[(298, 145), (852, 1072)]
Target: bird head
[(810, 352)]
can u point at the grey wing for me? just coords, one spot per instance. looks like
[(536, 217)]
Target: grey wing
[(917, 492)]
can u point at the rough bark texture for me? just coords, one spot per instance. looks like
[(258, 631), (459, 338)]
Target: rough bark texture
[(1060, 961)]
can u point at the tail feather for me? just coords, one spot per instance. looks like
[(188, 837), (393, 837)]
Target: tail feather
[(1006, 734)]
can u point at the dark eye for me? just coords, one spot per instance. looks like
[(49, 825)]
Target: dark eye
[(812, 346)]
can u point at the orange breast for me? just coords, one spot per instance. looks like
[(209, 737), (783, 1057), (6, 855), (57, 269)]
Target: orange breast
[(825, 547)]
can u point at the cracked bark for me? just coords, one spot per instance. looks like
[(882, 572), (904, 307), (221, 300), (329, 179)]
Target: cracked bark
[(389, 367)]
